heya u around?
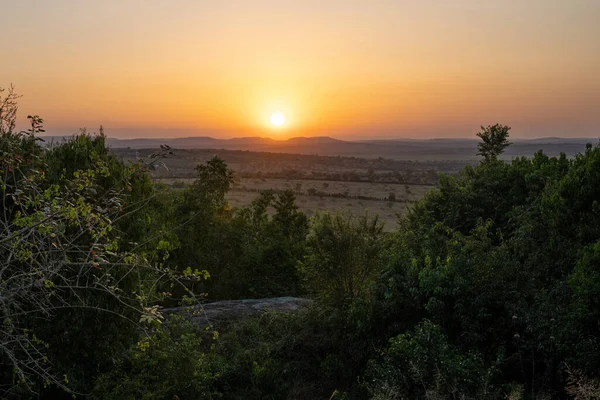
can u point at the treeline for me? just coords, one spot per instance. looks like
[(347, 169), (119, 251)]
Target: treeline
[(308, 167), (314, 192), (408, 177), (488, 289), (277, 159), (427, 178)]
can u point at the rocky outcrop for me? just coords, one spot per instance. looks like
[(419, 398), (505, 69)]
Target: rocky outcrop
[(221, 312)]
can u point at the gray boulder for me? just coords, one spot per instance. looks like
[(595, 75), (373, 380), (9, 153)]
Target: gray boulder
[(222, 312)]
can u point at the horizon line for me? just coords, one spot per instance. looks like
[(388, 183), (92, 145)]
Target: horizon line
[(319, 137)]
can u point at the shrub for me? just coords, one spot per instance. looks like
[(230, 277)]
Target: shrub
[(423, 365), (174, 362)]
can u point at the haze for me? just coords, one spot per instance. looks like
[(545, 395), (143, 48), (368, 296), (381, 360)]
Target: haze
[(347, 69)]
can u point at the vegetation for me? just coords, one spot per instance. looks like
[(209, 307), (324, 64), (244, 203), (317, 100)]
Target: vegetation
[(309, 168), (488, 289), (494, 139)]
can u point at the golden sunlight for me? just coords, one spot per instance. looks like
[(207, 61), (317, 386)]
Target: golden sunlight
[(277, 119)]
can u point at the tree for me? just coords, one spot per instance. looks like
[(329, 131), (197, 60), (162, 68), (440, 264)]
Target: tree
[(343, 255), (172, 363), (290, 220), (213, 182), (423, 365), (494, 141), (62, 262), (264, 249), (8, 110)]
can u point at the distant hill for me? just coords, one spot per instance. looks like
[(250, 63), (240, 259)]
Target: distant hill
[(407, 149)]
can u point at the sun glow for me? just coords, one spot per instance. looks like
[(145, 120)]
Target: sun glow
[(277, 119)]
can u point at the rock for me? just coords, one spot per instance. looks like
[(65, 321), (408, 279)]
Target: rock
[(220, 312)]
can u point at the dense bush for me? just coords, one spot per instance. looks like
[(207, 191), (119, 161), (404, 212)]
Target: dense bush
[(73, 290), (503, 259), (173, 362), (423, 365), (248, 252), (343, 255)]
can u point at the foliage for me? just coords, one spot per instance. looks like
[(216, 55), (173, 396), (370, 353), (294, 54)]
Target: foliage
[(212, 183), (494, 139), (8, 110), (270, 246), (66, 281), (269, 357), (502, 258), (580, 387), (247, 252), (343, 254), (174, 362), (423, 365)]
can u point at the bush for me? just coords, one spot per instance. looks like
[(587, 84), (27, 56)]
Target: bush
[(423, 365), (343, 255), (175, 362)]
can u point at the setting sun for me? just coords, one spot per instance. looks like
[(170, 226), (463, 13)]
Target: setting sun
[(277, 119)]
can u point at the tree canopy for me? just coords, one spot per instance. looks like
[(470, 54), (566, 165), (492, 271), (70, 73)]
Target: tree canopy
[(494, 139)]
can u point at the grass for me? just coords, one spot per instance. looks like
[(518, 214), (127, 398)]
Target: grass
[(311, 204), (246, 190)]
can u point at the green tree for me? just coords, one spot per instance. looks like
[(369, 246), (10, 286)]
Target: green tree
[(343, 255), (213, 181), (66, 279), (289, 220), (174, 362), (494, 139), (423, 365)]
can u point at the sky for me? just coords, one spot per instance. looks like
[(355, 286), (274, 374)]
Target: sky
[(352, 69)]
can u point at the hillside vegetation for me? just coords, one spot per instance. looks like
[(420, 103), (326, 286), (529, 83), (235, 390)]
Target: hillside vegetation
[(489, 288)]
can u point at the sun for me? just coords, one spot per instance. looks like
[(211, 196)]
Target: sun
[(277, 119)]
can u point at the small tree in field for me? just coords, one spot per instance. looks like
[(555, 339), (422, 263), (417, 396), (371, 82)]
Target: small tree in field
[(494, 139)]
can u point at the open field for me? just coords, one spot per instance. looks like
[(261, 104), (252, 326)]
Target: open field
[(348, 185), (367, 189), (381, 177), (247, 164), (334, 196), (312, 188), (311, 204)]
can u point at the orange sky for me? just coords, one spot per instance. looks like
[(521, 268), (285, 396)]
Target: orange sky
[(349, 69)]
